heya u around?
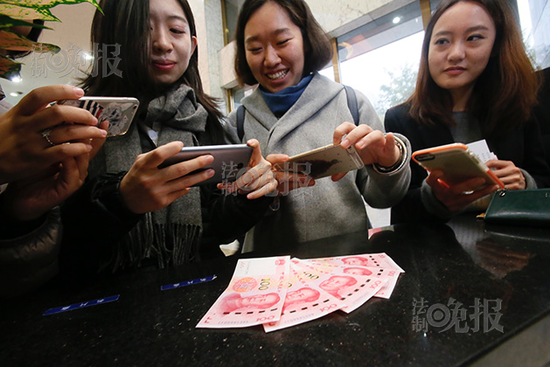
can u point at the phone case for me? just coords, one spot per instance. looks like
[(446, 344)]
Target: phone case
[(457, 163), (230, 161), (323, 162), (119, 111)]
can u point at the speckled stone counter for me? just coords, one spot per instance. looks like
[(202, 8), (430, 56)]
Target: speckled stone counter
[(467, 291)]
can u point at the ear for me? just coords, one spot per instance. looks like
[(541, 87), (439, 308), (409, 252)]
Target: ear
[(193, 44)]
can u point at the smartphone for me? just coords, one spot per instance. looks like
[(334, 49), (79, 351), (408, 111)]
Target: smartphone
[(322, 162), (230, 161), (457, 163), (119, 111)]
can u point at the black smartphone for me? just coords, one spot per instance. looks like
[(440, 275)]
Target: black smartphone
[(230, 161)]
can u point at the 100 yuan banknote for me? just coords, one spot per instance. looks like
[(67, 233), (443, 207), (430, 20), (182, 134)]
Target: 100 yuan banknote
[(254, 296), (303, 303), (353, 290), (379, 265)]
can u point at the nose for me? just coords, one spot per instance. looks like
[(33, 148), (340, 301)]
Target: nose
[(161, 41), (271, 57), (457, 52)]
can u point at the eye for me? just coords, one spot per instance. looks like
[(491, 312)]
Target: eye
[(177, 31), (254, 50), (475, 37), (283, 42), (441, 41)]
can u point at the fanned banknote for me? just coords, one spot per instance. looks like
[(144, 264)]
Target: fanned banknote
[(254, 296)]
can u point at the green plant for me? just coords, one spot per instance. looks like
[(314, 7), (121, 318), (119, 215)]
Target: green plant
[(14, 13)]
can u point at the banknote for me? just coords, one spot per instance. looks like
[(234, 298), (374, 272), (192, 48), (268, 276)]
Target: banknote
[(352, 289), (304, 302), (255, 295), (380, 260), (390, 276)]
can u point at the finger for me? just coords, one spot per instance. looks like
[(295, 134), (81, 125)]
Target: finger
[(189, 180), (277, 158), (338, 176), (58, 114), (157, 156), (374, 138), (251, 178), (83, 162), (41, 97), (58, 153), (67, 133), (264, 190), (343, 129), (256, 156), (182, 169), (70, 175), (360, 132)]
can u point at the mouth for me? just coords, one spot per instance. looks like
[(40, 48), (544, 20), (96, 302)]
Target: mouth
[(454, 70), (278, 75), (164, 64)]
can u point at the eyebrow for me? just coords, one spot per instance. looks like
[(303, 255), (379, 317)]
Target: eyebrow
[(471, 29), (275, 33), (172, 17)]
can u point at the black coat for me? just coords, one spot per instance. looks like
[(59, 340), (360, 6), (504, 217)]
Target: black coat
[(523, 147)]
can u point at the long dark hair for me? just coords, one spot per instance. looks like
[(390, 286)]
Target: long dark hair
[(505, 92), (124, 29), (317, 48)]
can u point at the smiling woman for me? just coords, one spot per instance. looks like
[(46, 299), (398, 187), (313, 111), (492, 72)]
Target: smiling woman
[(146, 214), (281, 47)]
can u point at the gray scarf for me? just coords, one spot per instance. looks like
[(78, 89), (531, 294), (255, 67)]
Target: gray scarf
[(171, 235)]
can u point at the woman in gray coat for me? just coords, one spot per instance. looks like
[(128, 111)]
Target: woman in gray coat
[(280, 46)]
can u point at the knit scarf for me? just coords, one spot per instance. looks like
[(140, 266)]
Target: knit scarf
[(171, 235)]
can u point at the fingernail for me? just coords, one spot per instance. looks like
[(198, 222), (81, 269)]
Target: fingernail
[(210, 172), (79, 92), (88, 147), (360, 145)]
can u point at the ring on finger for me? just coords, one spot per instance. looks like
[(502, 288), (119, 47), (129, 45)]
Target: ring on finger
[(46, 135)]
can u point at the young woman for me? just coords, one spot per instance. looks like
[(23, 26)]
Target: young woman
[(475, 82), (133, 213), (281, 47)]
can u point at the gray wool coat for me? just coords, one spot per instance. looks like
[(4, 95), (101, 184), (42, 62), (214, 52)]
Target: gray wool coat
[(328, 208)]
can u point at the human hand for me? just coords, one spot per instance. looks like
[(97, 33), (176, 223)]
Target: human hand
[(147, 188), (30, 198), (458, 196), (288, 181), (34, 135), (373, 146), (510, 175), (258, 180)]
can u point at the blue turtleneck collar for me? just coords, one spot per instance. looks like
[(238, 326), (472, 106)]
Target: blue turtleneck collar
[(281, 101)]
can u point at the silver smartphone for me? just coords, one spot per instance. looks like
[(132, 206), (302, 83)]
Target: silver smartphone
[(230, 161), (119, 111)]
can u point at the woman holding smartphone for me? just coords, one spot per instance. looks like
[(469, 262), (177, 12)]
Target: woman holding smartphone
[(475, 82), (132, 213), (281, 47)]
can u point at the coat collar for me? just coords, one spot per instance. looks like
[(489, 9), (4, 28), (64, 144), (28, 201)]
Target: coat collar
[(318, 94)]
